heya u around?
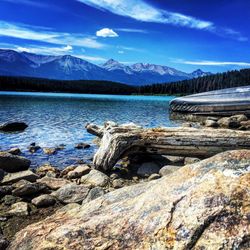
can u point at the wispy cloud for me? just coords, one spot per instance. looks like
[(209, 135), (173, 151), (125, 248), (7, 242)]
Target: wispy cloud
[(132, 30), (41, 34), (91, 58), (212, 63), (45, 50), (106, 32), (28, 2), (142, 11), (121, 47)]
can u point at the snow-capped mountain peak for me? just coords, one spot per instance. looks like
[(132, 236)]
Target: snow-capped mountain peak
[(200, 73), (113, 65), (67, 67)]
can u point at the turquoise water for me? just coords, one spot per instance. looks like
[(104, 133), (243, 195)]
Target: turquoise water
[(56, 119)]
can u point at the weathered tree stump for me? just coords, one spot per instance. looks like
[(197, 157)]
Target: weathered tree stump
[(119, 141)]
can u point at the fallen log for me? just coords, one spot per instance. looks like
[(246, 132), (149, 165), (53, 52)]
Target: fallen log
[(119, 141)]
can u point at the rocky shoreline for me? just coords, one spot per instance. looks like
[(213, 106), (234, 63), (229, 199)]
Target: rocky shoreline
[(126, 207)]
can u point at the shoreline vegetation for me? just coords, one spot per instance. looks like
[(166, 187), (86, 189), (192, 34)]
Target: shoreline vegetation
[(197, 85)]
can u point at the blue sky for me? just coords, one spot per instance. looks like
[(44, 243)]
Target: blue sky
[(213, 35)]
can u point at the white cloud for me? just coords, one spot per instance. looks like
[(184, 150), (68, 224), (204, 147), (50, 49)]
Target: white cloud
[(46, 35), (213, 63), (44, 49), (106, 32), (142, 11), (120, 52)]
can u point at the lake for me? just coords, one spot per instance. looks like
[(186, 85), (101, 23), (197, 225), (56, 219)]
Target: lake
[(56, 119)]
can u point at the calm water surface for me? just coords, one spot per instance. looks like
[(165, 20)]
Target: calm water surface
[(56, 119)]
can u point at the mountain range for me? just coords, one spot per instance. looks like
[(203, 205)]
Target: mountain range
[(67, 67)]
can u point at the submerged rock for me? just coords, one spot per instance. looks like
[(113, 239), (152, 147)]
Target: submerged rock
[(14, 151), (82, 145), (49, 170), (13, 126), (33, 148), (13, 163), (50, 151), (200, 206)]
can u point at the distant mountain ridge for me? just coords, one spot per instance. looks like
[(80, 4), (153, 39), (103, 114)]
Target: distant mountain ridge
[(66, 67)]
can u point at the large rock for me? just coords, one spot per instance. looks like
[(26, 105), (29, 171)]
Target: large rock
[(232, 121), (148, 168), (79, 171), (13, 163), (22, 175), (95, 178), (48, 170), (44, 200), (71, 193), (30, 189), (19, 209), (201, 206), (168, 169), (13, 126), (93, 194), (53, 183)]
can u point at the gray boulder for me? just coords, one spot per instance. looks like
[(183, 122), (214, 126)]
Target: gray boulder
[(22, 175), (95, 178), (19, 209), (13, 163), (53, 183), (168, 169), (71, 193), (13, 126), (93, 194), (79, 171), (30, 189), (44, 200), (148, 168)]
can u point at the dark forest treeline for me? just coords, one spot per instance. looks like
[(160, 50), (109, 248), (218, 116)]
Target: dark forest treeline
[(47, 85), (197, 85), (202, 84)]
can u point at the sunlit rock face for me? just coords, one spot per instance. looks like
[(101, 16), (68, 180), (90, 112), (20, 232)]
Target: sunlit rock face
[(200, 206)]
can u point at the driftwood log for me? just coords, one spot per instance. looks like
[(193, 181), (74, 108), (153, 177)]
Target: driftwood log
[(119, 141)]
